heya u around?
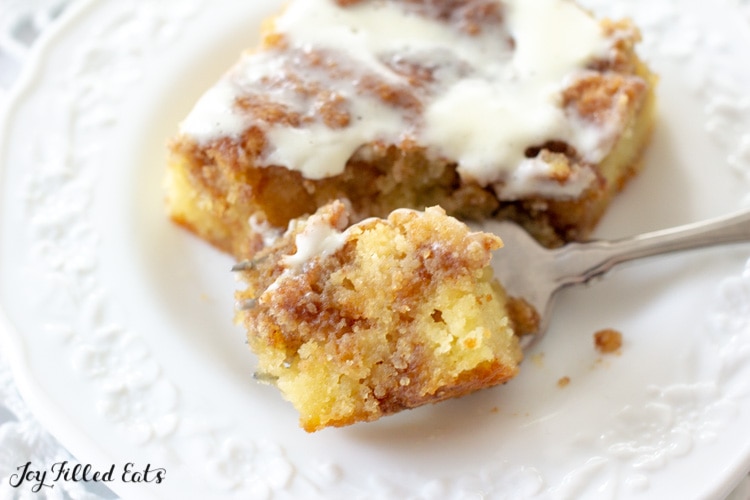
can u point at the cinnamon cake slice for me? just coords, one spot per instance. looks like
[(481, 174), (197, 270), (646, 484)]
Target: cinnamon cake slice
[(354, 322), (524, 109)]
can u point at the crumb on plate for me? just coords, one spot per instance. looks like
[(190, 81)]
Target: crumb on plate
[(608, 340)]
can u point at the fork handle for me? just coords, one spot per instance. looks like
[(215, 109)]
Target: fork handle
[(580, 262)]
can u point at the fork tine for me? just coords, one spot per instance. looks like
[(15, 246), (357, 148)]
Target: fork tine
[(249, 264), (247, 304), (265, 378), (245, 265)]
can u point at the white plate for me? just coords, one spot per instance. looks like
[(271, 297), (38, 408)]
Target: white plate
[(119, 324)]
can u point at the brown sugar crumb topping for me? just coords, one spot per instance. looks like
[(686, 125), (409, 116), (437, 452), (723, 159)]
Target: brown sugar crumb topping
[(300, 93), (468, 15), (601, 97), (608, 341), (269, 111), (525, 318)]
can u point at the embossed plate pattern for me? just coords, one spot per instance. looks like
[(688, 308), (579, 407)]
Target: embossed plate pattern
[(119, 325)]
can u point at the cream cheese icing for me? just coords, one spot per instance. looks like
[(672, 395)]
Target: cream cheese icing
[(318, 239), (494, 89)]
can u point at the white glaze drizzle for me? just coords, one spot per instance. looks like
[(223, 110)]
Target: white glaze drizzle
[(491, 100), (268, 232), (317, 239)]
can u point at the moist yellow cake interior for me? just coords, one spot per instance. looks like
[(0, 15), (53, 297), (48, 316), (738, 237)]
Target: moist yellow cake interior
[(406, 312)]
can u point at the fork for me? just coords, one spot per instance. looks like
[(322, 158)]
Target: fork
[(547, 271)]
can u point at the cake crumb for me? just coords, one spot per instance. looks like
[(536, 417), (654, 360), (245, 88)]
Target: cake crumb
[(526, 319), (608, 340), (563, 382), (538, 359)]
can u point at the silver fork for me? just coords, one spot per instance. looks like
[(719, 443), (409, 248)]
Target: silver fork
[(535, 274)]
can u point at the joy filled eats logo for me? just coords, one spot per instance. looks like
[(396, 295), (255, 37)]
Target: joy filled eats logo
[(36, 479)]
